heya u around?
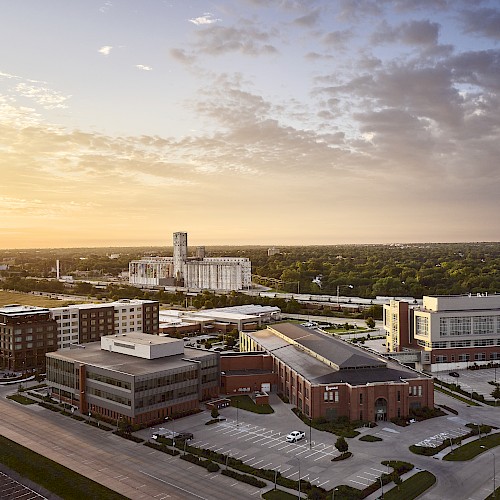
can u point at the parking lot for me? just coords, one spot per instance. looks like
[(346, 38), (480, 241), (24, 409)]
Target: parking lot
[(260, 441), (473, 380)]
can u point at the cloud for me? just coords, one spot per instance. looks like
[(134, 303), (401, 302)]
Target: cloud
[(410, 33), (308, 20), (105, 7), (337, 39), (182, 56), (206, 18), (482, 22), (246, 39), (105, 50), (45, 97), (144, 68)]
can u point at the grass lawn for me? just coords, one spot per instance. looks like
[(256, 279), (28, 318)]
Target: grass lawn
[(412, 487), (343, 331), (278, 495), (52, 476), (455, 395), (19, 398), (470, 450), (369, 438), (245, 403), (27, 299)]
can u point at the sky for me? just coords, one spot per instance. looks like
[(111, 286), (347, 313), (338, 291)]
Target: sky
[(265, 122)]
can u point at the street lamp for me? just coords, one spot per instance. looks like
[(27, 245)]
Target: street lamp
[(381, 487), (333, 493), (310, 436), (173, 430), (237, 416), (494, 470), (338, 291)]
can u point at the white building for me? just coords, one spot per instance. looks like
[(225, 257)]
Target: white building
[(81, 323), (200, 272), (451, 331)]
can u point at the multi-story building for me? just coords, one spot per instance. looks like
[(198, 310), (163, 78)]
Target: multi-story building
[(200, 272), (27, 333), (82, 323), (136, 377), (450, 331), (324, 376)]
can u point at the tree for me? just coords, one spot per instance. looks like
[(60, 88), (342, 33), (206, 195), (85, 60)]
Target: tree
[(341, 445), (396, 479), (370, 322), (496, 393), (215, 412)]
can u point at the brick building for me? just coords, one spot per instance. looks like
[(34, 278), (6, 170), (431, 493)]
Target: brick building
[(27, 333), (327, 377)]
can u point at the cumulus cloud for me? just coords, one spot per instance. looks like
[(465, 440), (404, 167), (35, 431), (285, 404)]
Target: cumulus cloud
[(485, 22), (105, 50), (308, 20), (247, 39), (143, 67), (206, 18), (417, 33)]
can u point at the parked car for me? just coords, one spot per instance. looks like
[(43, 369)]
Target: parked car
[(184, 436), (295, 436), (454, 374)]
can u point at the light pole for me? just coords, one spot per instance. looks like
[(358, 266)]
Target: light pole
[(381, 487), (451, 444), (310, 432), (333, 493), (494, 471), (173, 430), (338, 292), (237, 416)]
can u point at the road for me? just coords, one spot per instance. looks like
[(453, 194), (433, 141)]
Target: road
[(131, 469)]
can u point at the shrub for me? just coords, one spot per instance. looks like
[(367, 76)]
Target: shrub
[(244, 478)]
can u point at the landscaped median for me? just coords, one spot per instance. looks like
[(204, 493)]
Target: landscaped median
[(474, 448), (429, 451), (412, 487)]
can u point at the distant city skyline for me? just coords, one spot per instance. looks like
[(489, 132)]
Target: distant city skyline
[(249, 122)]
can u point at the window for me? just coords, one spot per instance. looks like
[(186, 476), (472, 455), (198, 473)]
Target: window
[(420, 390), (399, 395), (422, 326), (441, 359), (361, 398), (325, 395), (463, 357), (480, 356)]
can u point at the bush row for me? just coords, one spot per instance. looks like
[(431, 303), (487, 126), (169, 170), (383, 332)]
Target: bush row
[(208, 464), (244, 478), (341, 426), (162, 447)]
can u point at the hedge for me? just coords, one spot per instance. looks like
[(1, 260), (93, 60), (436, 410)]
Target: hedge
[(244, 478)]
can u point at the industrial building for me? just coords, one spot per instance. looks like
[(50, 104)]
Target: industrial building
[(324, 376), (198, 272), (134, 377), (447, 331)]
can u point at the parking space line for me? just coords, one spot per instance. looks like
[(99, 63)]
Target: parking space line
[(358, 482), (321, 484)]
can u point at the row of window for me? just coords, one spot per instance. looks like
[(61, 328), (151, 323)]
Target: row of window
[(458, 343), (478, 356)]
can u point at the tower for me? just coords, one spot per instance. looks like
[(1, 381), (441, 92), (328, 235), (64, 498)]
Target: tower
[(180, 255)]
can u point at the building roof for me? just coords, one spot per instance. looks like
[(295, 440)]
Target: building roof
[(92, 354), (339, 353), (323, 359), (21, 310)]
